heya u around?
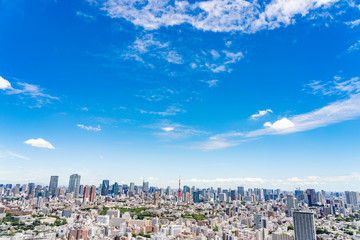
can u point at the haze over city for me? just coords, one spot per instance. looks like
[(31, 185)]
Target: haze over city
[(222, 93)]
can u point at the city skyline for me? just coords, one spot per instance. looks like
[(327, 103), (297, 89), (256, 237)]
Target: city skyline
[(222, 93)]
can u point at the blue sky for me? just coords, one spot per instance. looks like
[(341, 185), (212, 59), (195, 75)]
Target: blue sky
[(219, 92)]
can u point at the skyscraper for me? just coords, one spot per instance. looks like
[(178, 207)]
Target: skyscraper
[(311, 196), (304, 226), (105, 188), (115, 189), (145, 186), (241, 191), (86, 193), (54, 180), (31, 190), (290, 202), (156, 198), (74, 185), (92, 193)]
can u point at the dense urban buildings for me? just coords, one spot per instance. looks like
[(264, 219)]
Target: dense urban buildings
[(122, 211)]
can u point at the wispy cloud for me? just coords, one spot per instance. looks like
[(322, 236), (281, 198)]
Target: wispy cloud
[(89, 128), (84, 15), (335, 112), (354, 23), (211, 83), (41, 143), (355, 47), (261, 113), (171, 130), (170, 111), (276, 182), (26, 89), (214, 15), (16, 155)]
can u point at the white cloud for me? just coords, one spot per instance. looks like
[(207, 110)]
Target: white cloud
[(355, 47), (261, 113), (172, 130), (215, 54), (170, 111), (354, 23), (41, 143), (281, 124), (4, 84), (211, 83), (89, 128), (84, 109), (168, 129), (234, 57), (174, 57), (213, 15)]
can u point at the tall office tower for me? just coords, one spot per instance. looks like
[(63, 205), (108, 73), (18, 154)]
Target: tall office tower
[(31, 190), (74, 185), (86, 193), (105, 188), (187, 197), (132, 186), (233, 195), (304, 226), (145, 187), (92, 193), (37, 190), (352, 197), (186, 189), (196, 197), (311, 196), (218, 191), (290, 202), (156, 198), (54, 181), (115, 189), (222, 197), (299, 194), (168, 190), (241, 191)]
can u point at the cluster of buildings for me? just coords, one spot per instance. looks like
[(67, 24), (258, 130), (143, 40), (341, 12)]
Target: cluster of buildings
[(121, 211)]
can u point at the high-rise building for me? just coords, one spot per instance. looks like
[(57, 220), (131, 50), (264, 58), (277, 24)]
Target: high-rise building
[(352, 197), (115, 189), (196, 197), (290, 202), (54, 181), (156, 198), (92, 193), (105, 188), (74, 185), (311, 196), (31, 190), (86, 193), (145, 186), (233, 195), (304, 226), (241, 191), (132, 186)]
